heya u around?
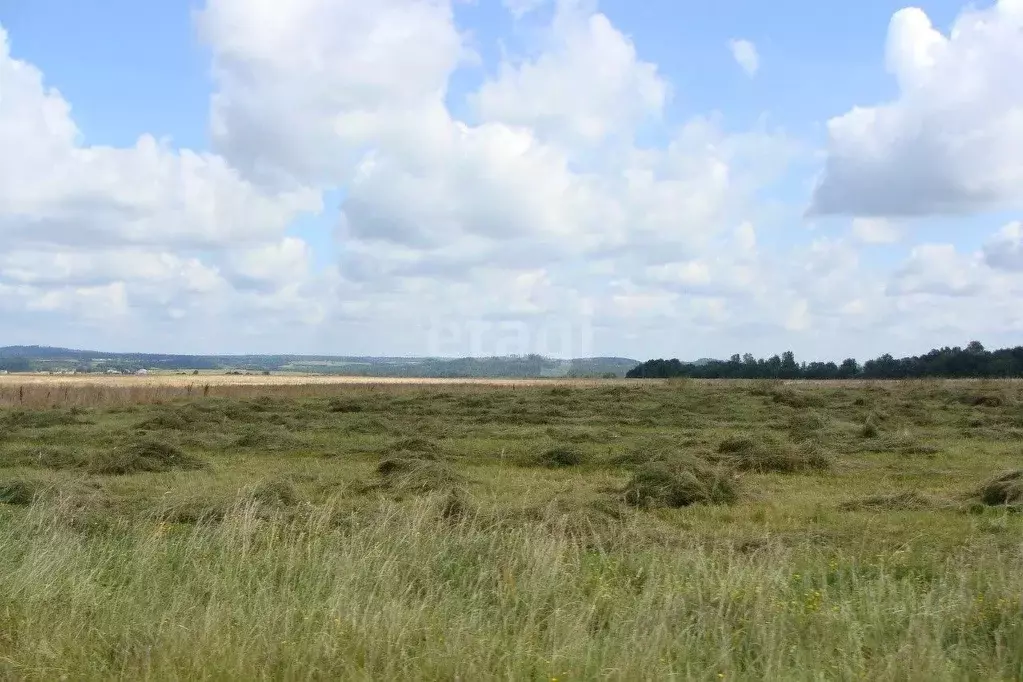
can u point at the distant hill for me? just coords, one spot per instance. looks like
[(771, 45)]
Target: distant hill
[(44, 358), (46, 353)]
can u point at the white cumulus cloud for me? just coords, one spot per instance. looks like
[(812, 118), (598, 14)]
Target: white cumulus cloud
[(950, 141), (54, 190), (586, 85), (302, 87), (561, 189), (520, 8), (875, 231), (1005, 249), (746, 56)]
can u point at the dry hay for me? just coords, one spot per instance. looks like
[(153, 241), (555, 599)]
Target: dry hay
[(680, 483)]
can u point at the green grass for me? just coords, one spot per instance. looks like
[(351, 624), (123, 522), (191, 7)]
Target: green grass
[(685, 530)]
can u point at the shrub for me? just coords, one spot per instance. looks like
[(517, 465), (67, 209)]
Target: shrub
[(680, 484), (18, 492), (143, 456), (1006, 489), (761, 456)]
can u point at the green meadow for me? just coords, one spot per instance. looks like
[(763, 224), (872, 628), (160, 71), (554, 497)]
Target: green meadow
[(622, 530)]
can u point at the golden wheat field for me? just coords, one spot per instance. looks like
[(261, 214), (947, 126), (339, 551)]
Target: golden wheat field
[(272, 380), (308, 379)]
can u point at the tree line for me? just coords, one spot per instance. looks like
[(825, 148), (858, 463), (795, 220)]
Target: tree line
[(974, 361)]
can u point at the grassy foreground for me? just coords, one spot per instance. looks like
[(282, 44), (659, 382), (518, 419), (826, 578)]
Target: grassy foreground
[(680, 530)]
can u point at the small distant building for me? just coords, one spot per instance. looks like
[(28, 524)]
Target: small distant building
[(142, 372)]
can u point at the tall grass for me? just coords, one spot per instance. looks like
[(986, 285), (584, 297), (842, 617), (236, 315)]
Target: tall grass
[(407, 593), (626, 531)]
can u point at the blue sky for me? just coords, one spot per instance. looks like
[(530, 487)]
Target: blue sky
[(147, 58), (343, 177)]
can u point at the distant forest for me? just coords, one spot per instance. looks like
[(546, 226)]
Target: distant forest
[(970, 362)]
